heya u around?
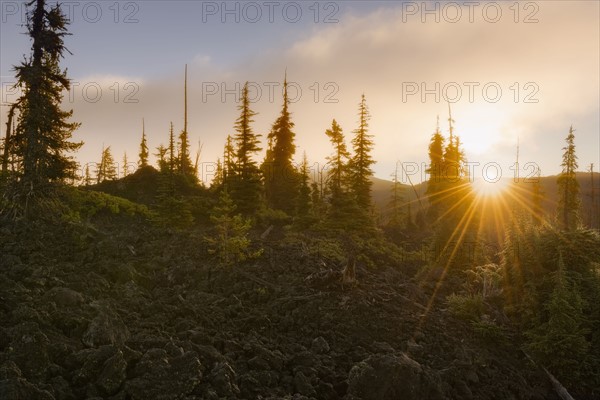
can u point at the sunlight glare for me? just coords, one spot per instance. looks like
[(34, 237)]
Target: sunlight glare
[(489, 188)]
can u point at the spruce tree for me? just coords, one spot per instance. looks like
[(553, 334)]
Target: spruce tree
[(246, 182), (537, 196), (143, 162), (303, 199), (281, 180), (229, 241), (41, 140), (125, 166), (219, 178), (560, 341), (171, 157), (161, 156), (338, 161), (106, 169), (396, 200), (360, 172), (229, 161), (435, 171), (184, 165), (568, 187), (87, 177)]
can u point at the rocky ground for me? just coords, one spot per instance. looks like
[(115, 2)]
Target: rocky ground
[(89, 314)]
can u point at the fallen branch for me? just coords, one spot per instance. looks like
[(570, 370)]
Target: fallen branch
[(560, 390)]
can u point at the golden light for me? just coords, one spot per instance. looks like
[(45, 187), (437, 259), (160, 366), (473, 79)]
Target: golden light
[(490, 187)]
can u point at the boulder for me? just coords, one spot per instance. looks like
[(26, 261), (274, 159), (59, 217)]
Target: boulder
[(390, 377), (162, 378), (105, 328)]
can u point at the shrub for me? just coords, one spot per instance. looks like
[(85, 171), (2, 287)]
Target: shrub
[(468, 307)]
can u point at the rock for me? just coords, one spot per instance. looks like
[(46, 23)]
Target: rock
[(30, 350), (413, 348), (105, 328), (319, 345), (383, 347), (113, 374), (258, 363), (93, 363), (64, 297), (9, 370), (463, 390), (223, 379), (161, 377), (472, 377), (326, 391), (21, 389), (303, 386), (305, 359), (208, 355), (390, 377)]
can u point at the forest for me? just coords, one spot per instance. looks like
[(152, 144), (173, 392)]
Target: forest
[(276, 281)]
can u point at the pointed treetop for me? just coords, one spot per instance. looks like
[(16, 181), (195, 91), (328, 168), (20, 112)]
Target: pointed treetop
[(185, 101), (450, 122), (285, 92)]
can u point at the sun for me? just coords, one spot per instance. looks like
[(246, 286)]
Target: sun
[(490, 188)]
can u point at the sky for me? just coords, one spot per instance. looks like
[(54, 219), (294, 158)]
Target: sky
[(511, 72)]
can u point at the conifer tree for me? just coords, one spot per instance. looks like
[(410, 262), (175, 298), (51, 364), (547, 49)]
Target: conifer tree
[(125, 166), (41, 140), (281, 180), (560, 341), (219, 178), (106, 169), (87, 177), (396, 199), (229, 242), (568, 186), (360, 172), (316, 200), (338, 161), (537, 196), (171, 157), (435, 171), (143, 162), (229, 161), (246, 184), (303, 200), (184, 165), (161, 155)]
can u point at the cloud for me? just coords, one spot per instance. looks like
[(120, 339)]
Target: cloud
[(554, 61)]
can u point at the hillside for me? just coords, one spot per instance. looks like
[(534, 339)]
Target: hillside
[(382, 188), (128, 311)]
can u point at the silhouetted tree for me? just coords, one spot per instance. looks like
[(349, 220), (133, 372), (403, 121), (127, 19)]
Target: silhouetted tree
[(359, 167), (281, 178), (87, 177), (171, 157), (42, 138), (143, 162), (435, 171), (229, 241), (125, 162), (303, 199), (184, 165), (161, 155), (537, 196), (568, 187), (246, 182), (106, 169), (338, 161)]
